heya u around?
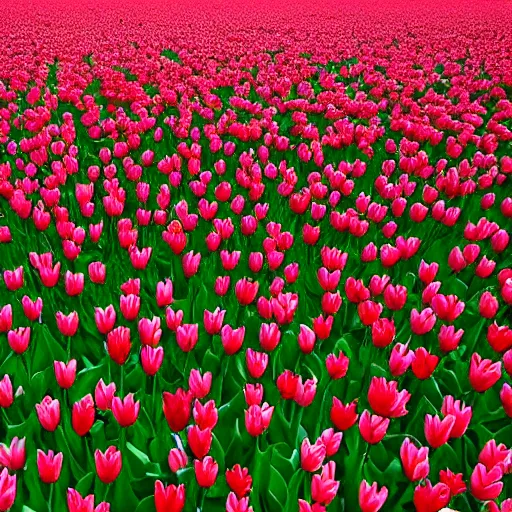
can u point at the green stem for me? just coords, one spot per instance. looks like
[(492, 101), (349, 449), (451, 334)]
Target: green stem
[(366, 454), (69, 348), (122, 381), (122, 439), (105, 494), (153, 397), (392, 436), (203, 493), (6, 418), (50, 498), (25, 361)]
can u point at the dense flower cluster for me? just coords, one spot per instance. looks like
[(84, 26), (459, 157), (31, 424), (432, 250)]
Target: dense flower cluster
[(255, 257)]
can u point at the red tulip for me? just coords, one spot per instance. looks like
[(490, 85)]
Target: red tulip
[(149, 331), (199, 385), (447, 307), (343, 416), (130, 306), (507, 361), (256, 363), (104, 394), (205, 416), (331, 303), (168, 498), (173, 318), (449, 339), (253, 394), (485, 268), (199, 441), (232, 339), (83, 415), (19, 339), (246, 291), (151, 359), (386, 400), (337, 367), (331, 440), (395, 297), (187, 336), (14, 456), (190, 263), (383, 332), (67, 325), (31, 309), (499, 337), (7, 490), (373, 428), (493, 454), (105, 319), (65, 373), (304, 506), (257, 419), (453, 481), (5, 318), (239, 480), (324, 487), (486, 484), (414, 461), (206, 472), (126, 411), (322, 326), (461, 413), (269, 336), (222, 285), (506, 506), (287, 384), (369, 311), (164, 293), (312, 456), (428, 498), (6, 392), (49, 466), (213, 321), (177, 409), (483, 373), (108, 464), (423, 322), (305, 393), (119, 344), (177, 460), (73, 283), (456, 260), (427, 272), (438, 432), (255, 261), (370, 498), (506, 399), (14, 279), (424, 363), (400, 359), (48, 413)]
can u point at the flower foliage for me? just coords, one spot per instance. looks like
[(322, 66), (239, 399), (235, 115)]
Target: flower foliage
[(255, 257)]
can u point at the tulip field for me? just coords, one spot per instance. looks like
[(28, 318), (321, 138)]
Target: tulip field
[(256, 256)]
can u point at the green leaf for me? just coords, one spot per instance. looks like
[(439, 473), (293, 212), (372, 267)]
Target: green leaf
[(277, 488), (146, 505), (124, 497), (84, 485), (293, 490)]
